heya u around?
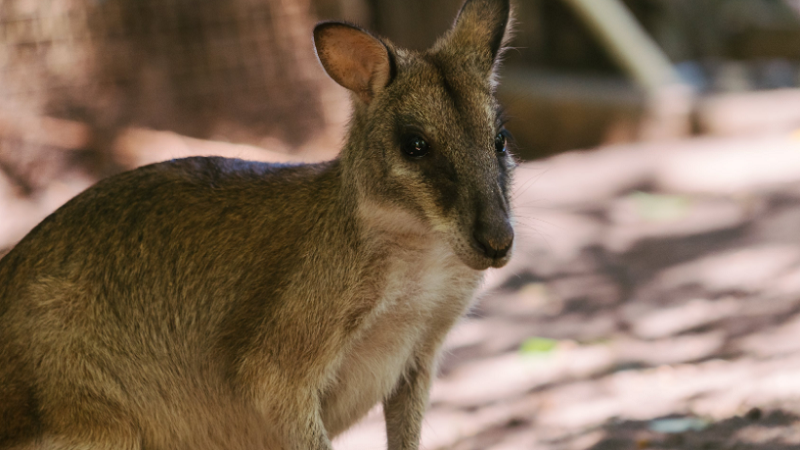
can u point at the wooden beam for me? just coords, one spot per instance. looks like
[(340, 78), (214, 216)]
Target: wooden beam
[(627, 42), (669, 101)]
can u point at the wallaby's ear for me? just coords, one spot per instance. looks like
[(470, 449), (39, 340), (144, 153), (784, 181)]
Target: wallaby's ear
[(481, 26), (354, 58)]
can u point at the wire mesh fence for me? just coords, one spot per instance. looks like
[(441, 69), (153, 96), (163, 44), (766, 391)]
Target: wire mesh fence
[(73, 73)]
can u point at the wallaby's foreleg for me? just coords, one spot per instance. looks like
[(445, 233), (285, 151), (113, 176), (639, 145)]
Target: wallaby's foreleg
[(311, 435), (306, 431), (406, 406)]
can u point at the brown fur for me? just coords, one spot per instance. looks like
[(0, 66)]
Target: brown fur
[(207, 303)]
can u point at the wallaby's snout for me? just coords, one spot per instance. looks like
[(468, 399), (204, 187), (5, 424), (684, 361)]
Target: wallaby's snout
[(494, 236), (491, 231)]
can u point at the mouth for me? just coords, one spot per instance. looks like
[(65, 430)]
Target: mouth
[(480, 263), (500, 262), (477, 259)]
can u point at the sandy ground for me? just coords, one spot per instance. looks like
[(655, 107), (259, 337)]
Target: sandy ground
[(653, 302)]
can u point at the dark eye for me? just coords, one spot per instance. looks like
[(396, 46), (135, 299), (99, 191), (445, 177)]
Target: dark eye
[(414, 146), (500, 142)]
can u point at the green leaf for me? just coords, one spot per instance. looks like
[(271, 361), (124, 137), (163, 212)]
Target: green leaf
[(538, 346)]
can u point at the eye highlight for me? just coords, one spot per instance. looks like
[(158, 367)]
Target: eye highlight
[(414, 146), (500, 141)]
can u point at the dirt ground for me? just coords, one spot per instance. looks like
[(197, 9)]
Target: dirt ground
[(653, 302)]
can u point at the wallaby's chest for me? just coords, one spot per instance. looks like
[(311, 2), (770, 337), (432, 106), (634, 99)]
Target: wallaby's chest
[(420, 298)]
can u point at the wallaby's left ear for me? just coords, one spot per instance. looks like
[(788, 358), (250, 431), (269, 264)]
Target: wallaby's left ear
[(480, 27)]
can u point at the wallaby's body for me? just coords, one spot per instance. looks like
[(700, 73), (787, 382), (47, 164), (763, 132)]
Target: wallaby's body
[(207, 303)]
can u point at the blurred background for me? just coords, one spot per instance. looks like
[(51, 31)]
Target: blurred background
[(654, 299)]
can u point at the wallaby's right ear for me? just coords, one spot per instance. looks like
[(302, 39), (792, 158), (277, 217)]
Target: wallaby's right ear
[(354, 58), (480, 29)]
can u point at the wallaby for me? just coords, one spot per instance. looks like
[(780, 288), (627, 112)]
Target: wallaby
[(210, 303)]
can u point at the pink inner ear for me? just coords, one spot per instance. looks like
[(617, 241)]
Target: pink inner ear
[(354, 59)]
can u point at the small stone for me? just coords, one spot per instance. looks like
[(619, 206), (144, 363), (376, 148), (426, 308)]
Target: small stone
[(516, 422), (753, 415)]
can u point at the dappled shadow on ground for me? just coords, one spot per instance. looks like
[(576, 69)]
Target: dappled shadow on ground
[(776, 430), (653, 302)]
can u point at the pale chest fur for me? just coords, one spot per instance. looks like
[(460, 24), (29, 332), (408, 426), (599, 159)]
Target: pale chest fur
[(423, 294)]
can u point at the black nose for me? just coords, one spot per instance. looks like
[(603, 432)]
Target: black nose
[(494, 241)]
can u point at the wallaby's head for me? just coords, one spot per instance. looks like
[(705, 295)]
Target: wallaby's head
[(427, 148)]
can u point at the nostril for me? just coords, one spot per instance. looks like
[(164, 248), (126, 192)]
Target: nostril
[(502, 252), (491, 251)]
